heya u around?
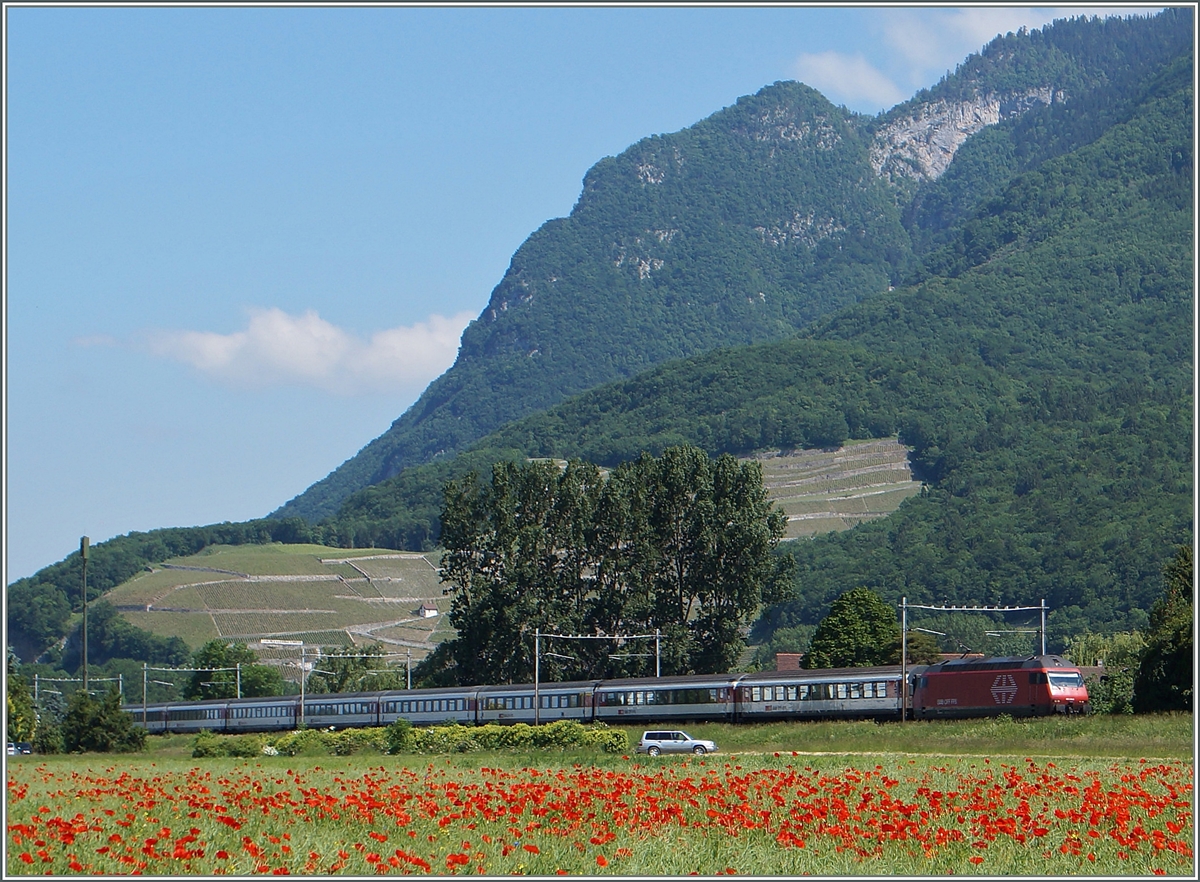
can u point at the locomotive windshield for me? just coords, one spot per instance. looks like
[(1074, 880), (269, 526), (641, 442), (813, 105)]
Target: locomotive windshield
[(1073, 680)]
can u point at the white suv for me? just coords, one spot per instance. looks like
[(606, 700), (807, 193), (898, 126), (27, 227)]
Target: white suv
[(673, 741)]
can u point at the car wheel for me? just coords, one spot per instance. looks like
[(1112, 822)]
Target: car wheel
[(699, 750), (654, 751)]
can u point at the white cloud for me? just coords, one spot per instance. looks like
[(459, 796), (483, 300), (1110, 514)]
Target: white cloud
[(933, 41), (847, 79), (277, 348)]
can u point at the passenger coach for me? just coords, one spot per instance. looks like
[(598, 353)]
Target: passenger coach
[(848, 693), (669, 699)]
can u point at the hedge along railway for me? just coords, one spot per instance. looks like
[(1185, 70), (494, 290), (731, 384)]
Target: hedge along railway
[(330, 596)]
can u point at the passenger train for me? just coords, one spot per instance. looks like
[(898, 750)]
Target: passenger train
[(1032, 686)]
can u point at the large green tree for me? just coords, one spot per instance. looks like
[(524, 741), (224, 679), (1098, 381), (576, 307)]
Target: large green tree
[(860, 630), (21, 714), (678, 544), (354, 669), (1164, 679), (221, 661)]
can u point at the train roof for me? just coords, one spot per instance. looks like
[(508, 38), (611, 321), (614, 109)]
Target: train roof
[(792, 676), (992, 663), (552, 686), (694, 681)]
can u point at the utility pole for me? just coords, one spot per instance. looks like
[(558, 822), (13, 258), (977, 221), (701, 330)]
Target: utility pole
[(83, 553), (301, 726), (903, 659)]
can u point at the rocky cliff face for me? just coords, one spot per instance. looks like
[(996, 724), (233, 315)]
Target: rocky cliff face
[(921, 146)]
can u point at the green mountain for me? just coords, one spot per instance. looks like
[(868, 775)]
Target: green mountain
[(749, 225), (1000, 271), (1039, 362)]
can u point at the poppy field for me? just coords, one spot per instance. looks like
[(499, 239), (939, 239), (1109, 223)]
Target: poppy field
[(770, 814)]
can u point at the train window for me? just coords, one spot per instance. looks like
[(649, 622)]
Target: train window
[(791, 693), (1070, 680), (856, 690), (756, 693)]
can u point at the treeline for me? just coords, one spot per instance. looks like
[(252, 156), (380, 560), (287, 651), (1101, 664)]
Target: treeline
[(680, 545)]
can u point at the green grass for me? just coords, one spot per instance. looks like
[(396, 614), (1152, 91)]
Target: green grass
[(1134, 737)]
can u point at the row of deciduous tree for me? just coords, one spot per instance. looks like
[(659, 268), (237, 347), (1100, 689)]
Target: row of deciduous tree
[(680, 544)]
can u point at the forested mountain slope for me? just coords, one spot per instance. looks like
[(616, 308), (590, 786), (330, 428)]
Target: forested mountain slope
[(1042, 369), (750, 224)]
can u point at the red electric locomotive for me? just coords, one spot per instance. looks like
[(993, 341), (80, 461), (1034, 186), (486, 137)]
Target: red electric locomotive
[(1039, 685)]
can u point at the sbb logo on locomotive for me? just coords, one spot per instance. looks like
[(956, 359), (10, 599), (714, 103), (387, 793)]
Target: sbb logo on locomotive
[(1004, 689)]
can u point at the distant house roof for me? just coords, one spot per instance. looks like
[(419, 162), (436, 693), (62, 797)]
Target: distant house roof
[(788, 661)]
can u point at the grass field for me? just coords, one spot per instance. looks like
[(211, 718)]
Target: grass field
[(968, 801)]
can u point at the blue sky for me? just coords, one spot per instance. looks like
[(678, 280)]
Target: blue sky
[(241, 241)]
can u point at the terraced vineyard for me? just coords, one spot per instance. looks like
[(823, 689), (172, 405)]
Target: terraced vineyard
[(826, 490), (331, 596), (323, 596)]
